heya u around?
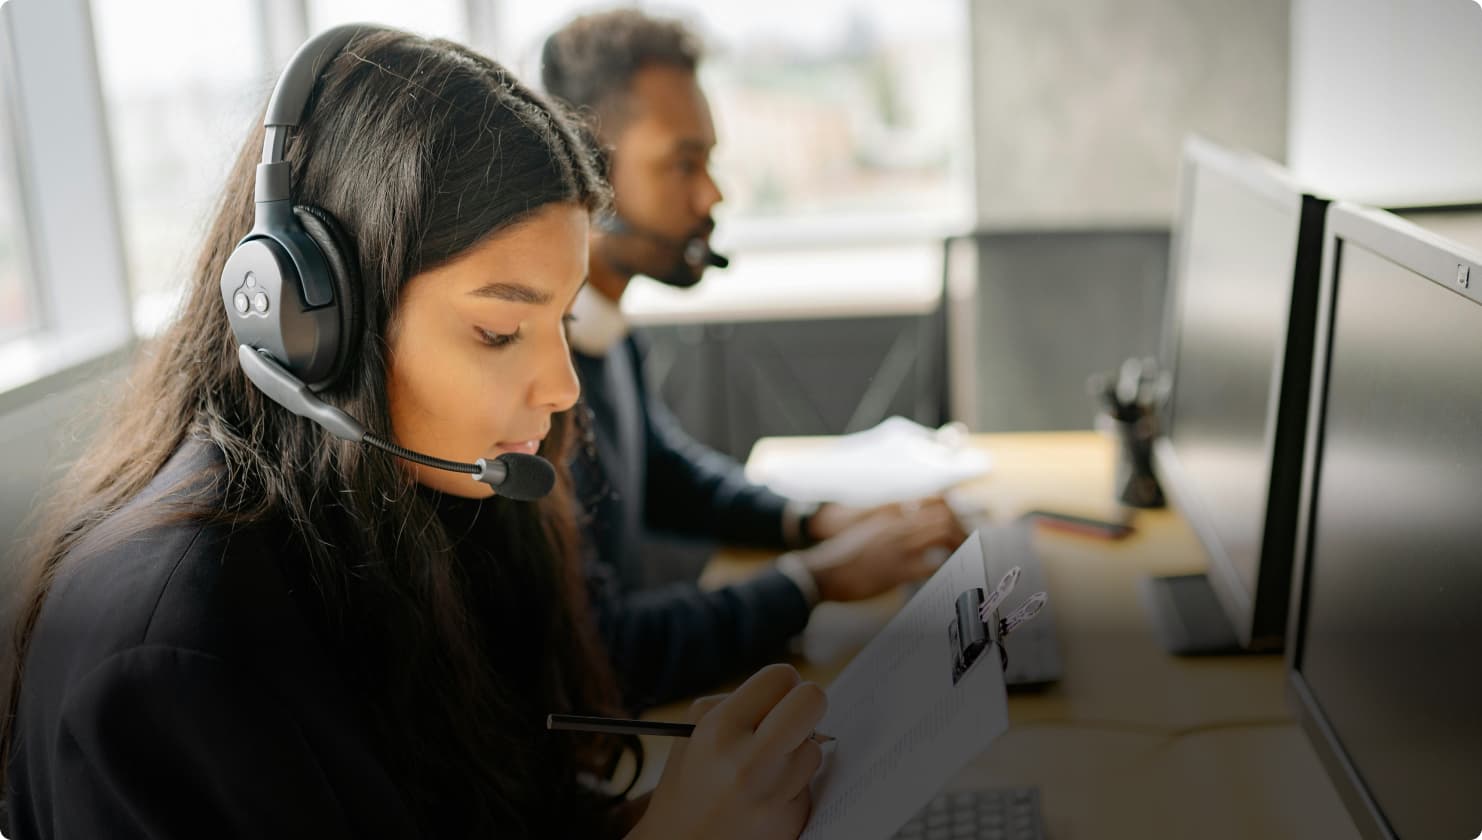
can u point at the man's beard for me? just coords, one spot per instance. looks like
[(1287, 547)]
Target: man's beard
[(662, 257)]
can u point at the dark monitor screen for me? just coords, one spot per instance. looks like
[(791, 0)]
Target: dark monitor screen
[(1236, 270), (1387, 654)]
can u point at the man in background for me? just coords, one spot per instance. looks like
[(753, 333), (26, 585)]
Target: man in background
[(633, 78)]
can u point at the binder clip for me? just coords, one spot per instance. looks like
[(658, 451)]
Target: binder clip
[(979, 625)]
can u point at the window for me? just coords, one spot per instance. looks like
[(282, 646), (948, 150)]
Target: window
[(431, 18), (182, 82), (833, 116), (62, 287), (838, 119), (16, 311)]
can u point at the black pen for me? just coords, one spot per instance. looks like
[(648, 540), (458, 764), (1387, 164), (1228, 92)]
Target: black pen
[(620, 726)]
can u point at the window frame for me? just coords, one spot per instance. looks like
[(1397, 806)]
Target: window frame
[(80, 307), (14, 164)]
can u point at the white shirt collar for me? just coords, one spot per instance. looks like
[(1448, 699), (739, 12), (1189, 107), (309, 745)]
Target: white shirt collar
[(599, 323)]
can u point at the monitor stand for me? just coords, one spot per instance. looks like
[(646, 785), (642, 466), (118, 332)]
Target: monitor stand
[(1189, 618)]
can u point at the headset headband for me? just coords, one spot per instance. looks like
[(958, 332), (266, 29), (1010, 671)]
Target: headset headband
[(286, 106)]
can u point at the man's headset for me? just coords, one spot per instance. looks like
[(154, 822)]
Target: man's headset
[(292, 292), (695, 251)]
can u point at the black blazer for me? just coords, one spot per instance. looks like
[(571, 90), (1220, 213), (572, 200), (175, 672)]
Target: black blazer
[(177, 690), (183, 687)]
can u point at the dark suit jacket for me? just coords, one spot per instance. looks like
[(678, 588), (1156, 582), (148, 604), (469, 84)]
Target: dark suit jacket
[(641, 471)]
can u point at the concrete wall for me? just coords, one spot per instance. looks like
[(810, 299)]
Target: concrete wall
[(1386, 99), (1081, 110), (1082, 104)]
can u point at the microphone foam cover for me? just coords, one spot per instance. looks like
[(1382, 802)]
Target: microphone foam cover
[(527, 478)]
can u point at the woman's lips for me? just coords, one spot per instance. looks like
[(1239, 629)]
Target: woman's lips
[(529, 447)]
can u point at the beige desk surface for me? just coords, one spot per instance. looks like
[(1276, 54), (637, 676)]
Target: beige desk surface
[(1131, 742)]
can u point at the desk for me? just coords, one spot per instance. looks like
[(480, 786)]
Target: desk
[(1132, 742)]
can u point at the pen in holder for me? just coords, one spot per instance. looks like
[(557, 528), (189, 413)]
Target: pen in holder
[(1131, 400)]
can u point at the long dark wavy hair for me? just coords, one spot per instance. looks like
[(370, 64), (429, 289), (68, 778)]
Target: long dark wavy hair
[(421, 149)]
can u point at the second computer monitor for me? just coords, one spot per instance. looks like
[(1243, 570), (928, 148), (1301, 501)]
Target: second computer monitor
[(1386, 626), (1238, 340)]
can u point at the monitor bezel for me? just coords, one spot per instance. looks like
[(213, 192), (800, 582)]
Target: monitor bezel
[(1258, 616), (1436, 258)]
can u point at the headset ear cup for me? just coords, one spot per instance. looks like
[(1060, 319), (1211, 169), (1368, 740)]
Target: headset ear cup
[(339, 256)]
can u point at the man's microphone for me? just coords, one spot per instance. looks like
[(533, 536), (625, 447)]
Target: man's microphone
[(698, 252), (695, 250), (514, 475)]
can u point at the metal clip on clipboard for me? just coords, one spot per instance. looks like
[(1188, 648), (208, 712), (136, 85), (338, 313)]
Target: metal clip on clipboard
[(979, 625)]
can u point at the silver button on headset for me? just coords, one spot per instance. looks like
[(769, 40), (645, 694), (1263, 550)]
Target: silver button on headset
[(240, 301), (260, 302)]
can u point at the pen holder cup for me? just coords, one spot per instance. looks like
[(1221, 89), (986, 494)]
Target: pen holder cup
[(1136, 484)]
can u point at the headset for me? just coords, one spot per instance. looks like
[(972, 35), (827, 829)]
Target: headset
[(694, 251), (292, 291)]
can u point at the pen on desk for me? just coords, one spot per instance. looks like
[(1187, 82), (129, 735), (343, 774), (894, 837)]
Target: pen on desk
[(619, 726)]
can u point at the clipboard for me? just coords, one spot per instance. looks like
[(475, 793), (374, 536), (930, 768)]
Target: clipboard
[(907, 712)]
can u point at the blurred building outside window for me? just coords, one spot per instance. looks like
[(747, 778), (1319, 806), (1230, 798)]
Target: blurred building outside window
[(838, 120), (431, 18), (182, 83)]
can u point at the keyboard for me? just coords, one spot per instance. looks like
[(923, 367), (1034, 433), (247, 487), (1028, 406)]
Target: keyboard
[(991, 814), (1033, 649)]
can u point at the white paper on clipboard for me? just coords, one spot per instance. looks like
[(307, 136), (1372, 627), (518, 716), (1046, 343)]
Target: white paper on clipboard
[(903, 728)]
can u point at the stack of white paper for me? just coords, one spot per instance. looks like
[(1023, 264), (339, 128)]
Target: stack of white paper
[(895, 461)]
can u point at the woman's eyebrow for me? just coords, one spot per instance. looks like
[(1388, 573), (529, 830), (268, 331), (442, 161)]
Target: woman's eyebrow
[(512, 292)]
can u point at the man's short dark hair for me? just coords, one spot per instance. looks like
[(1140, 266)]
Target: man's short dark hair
[(591, 61)]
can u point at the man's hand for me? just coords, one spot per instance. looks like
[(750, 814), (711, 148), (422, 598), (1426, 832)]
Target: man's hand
[(881, 551), (833, 519)]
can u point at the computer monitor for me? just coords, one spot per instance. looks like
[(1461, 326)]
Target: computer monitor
[(1386, 620), (1238, 340)]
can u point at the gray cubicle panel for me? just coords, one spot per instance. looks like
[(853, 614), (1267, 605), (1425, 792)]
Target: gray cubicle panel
[(1055, 307), (732, 383), (44, 426)]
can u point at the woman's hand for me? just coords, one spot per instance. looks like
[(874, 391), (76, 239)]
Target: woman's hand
[(745, 771), (625, 814)]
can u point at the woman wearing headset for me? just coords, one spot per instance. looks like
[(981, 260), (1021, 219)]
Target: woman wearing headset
[(240, 626)]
